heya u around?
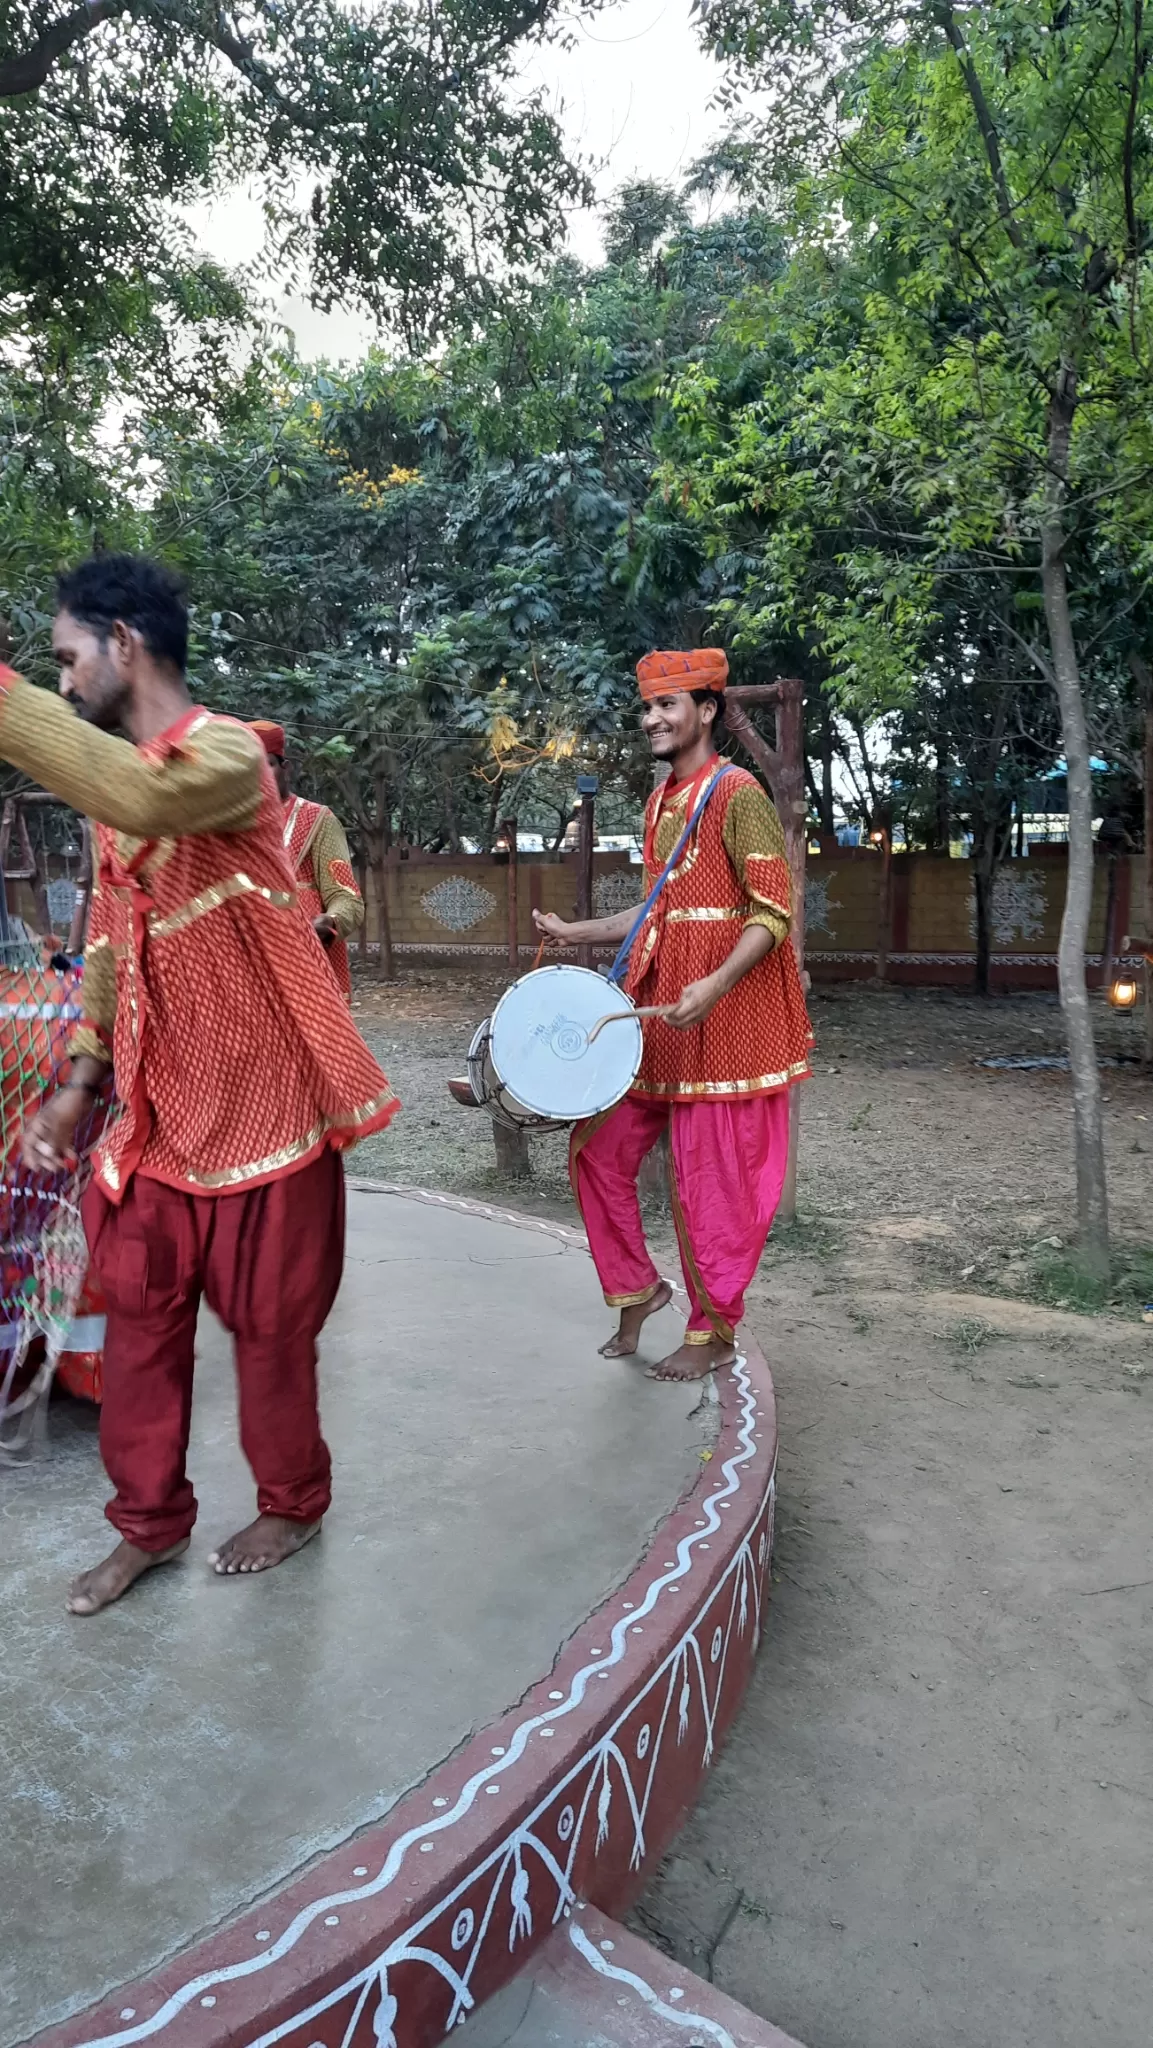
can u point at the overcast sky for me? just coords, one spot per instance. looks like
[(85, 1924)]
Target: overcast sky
[(633, 98)]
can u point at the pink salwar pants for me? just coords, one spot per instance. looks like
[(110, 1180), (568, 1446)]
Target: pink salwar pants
[(726, 1170)]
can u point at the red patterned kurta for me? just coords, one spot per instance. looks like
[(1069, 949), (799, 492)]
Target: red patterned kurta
[(733, 873), (236, 1061), (317, 853)]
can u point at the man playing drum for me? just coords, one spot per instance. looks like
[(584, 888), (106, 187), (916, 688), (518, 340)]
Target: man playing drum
[(714, 954)]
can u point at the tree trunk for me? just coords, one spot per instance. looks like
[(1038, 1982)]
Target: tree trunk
[(1088, 1133), (509, 829), (1149, 872), (828, 816), (385, 964), (1143, 676), (381, 838), (885, 904), (1112, 945), (586, 840), (942, 820), (493, 814), (990, 845), (362, 882), (983, 880)]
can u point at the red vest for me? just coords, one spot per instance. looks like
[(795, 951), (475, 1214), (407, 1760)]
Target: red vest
[(236, 1060), (757, 1038), (301, 820)]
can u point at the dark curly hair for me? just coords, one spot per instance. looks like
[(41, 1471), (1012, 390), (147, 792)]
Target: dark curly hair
[(135, 589)]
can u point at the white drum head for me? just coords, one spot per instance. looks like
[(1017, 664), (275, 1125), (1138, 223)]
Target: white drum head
[(540, 1043)]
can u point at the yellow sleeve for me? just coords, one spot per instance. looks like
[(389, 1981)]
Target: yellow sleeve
[(335, 880), (93, 1034), (210, 782), (755, 843)]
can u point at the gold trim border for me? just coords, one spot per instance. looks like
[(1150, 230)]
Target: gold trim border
[(287, 1155), (710, 914), (232, 886), (632, 1300), (685, 1091)]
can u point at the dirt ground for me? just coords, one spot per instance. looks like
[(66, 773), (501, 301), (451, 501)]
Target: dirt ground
[(931, 1827)]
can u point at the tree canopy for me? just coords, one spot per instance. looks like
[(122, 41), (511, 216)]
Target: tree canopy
[(395, 155), (866, 398)]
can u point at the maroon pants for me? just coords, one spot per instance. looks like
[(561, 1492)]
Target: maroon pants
[(268, 1263)]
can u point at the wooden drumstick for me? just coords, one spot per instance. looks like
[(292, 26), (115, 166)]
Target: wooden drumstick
[(618, 1017)]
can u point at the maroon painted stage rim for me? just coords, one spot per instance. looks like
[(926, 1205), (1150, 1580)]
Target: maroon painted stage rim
[(391, 1940)]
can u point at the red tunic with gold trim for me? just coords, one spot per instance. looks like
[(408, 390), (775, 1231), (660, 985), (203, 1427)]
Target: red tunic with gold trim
[(317, 853), (236, 1060), (734, 872)]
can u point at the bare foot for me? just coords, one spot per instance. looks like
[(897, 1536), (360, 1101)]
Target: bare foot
[(265, 1542), (121, 1569), (694, 1361), (624, 1340)]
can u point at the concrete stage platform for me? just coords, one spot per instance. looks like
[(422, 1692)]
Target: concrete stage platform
[(308, 1808)]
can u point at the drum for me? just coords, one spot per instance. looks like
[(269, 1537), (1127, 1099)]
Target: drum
[(540, 1062)]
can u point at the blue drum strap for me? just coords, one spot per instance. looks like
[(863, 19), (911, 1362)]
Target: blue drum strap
[(619, 968)]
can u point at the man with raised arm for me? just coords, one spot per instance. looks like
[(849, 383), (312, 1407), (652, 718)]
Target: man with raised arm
[(240, 1073), (317, 853), (714, 954)]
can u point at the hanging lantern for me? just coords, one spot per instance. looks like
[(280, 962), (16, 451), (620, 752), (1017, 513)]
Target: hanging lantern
[(1123, 993)]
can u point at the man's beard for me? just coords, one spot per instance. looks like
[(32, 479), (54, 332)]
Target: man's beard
[(106, 712)]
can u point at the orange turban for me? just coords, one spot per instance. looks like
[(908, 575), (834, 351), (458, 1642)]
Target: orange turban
[(271, 736), (701, 668)]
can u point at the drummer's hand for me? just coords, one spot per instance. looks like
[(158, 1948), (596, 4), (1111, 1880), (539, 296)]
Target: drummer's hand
[(325, 930), (693, 1004), (552, 927), (47, 1140)]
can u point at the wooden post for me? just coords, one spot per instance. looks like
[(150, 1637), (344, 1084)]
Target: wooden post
[(508, 833), (586, 835), (511, 1152), (784, 767)]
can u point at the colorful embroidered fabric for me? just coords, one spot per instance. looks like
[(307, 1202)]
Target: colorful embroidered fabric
[(236, 1060), (667, 670), (733, 873), (326, 886)]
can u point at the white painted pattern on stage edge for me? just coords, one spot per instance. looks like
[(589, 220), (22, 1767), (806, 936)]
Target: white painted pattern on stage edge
[(680, 1667)]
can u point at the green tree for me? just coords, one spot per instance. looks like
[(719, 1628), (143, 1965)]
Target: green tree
[(986, 172), (393, 157)]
